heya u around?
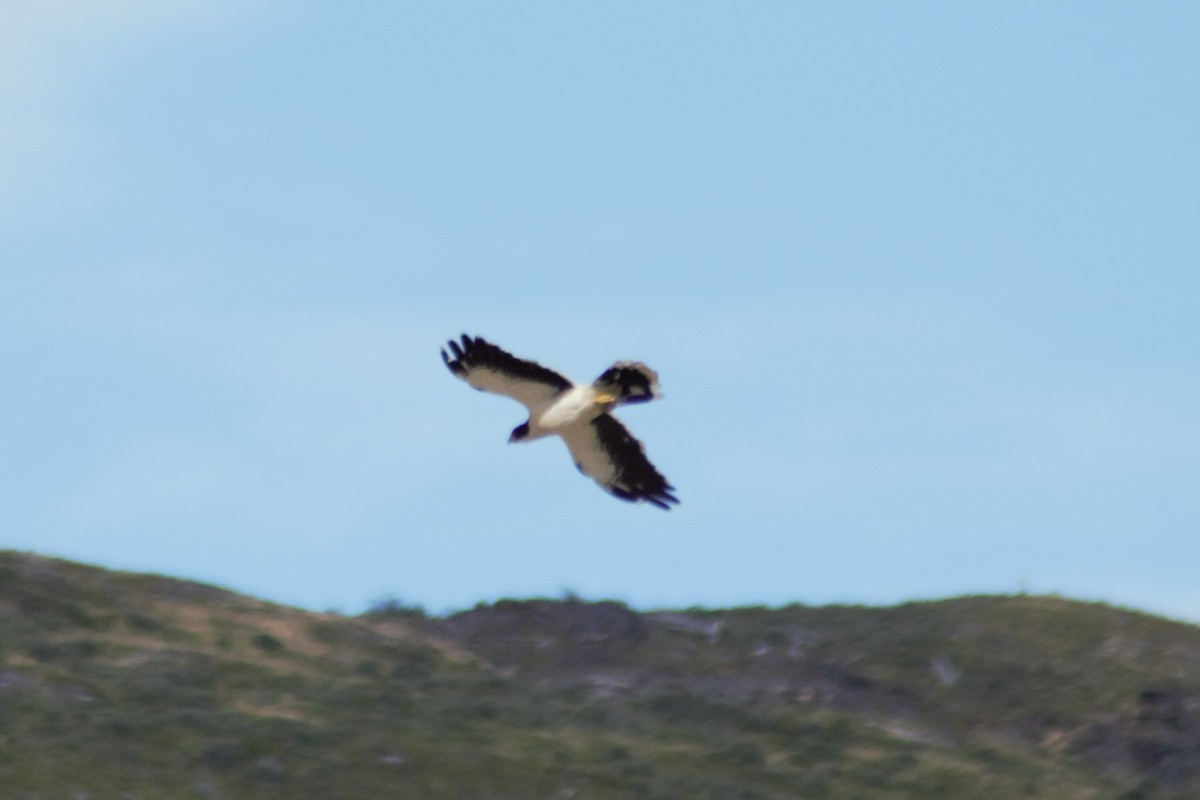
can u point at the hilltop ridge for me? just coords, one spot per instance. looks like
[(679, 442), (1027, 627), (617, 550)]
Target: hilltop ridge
[(140, 686)]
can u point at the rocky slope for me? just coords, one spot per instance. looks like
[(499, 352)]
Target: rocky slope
[(129, 686)]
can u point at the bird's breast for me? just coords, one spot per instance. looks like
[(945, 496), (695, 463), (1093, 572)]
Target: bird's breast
[(574, 406)]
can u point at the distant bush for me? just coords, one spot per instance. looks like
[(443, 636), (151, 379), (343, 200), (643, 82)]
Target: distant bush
[(395, 607), (741, 754), (142, 622), (224, 755), (368, 668), (816, 750), (325, 631), (54, 613), (617, 753), (411, 671), (268, 643), (682, 706), (63, 651), (479, 710), (776, 638)]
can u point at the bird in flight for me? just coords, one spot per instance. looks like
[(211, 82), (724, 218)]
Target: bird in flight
[(578, 413)]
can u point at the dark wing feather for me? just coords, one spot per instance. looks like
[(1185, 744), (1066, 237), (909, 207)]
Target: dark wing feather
[(490, 369), (604, 450)]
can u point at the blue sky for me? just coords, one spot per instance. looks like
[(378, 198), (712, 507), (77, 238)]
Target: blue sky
[(920, 280)]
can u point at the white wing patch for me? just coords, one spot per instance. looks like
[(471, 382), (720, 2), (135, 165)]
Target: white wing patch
[(488, 368), (606, 452)]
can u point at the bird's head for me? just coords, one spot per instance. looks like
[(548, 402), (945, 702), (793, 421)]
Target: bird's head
[(519, 433)]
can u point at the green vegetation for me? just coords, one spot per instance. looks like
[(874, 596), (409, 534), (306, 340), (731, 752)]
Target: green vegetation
[(136, 687)]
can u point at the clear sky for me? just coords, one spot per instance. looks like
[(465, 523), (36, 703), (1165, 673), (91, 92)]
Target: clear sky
[(921, 281)]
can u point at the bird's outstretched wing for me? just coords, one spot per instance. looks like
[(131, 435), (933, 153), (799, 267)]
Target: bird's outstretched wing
[(490, 369), (606, 452)]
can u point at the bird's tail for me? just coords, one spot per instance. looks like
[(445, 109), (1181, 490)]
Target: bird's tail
[(628, 382)]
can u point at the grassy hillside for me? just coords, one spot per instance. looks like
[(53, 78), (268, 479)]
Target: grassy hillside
[(131, 686)]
